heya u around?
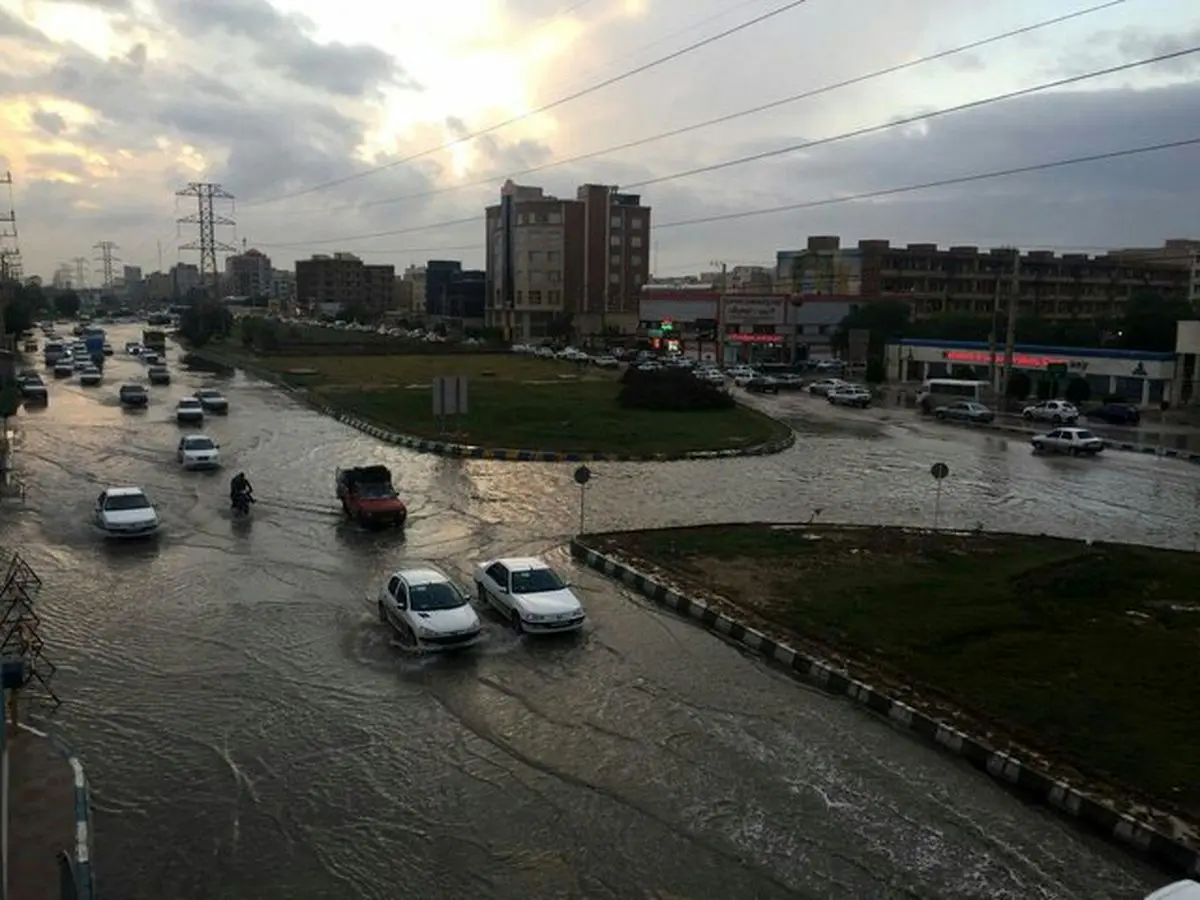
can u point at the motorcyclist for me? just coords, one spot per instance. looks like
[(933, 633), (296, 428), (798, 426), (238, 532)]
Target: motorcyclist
[(240, 487)]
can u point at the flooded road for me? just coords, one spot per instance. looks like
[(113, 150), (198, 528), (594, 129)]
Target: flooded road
[(251, 731)]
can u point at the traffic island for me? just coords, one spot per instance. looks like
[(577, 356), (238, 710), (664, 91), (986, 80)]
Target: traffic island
[(1063, 669)]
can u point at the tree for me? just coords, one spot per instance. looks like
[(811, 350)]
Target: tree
[(1019, 385), (1078, 391), (205, 321), (876, 372), (66, 304), (886, 320), (1151, 319), (19, 313), (675, 390)]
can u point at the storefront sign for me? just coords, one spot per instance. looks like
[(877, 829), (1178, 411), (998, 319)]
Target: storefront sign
[(1020, 360), (754, 310), (755, 338)]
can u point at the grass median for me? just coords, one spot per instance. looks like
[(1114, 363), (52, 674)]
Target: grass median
[(1085, 652), (518, 402)]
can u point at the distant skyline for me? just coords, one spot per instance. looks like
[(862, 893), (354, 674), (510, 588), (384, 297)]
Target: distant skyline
[(109, 106)]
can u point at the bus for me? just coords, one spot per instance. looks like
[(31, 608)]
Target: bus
[(940, 391)]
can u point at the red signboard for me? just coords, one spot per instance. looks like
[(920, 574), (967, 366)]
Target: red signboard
[(756, 338), (1020, 360)]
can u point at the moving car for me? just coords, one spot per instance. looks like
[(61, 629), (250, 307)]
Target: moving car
[(849, 395), (1075, 441), (159, 375), (64, 368), (1115, 414), (33, 388), (90, 376), (823, 386), (428, 610), (368, 497), (529, 594), (1060, 412), (133, 395), (761, 384), (107, 349), (1178, 890), (150, 357), (125, 512), (188, 411), (198, 451), (965, 411), (212, 400)]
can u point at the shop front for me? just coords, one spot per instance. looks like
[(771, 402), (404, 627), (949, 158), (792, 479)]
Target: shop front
[(1139, 377)]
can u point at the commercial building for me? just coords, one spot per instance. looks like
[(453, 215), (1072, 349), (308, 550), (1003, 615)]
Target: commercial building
[(455, 295), (248, 274), (1135, 375), (345, 281), (741, 327), (962, 280), (552, 260)]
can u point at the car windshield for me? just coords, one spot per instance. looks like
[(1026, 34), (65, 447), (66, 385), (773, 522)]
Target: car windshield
[(437, 595), (375, 491), (126, 501), (536, 581), (199, 443), (185, 404), (208, 395)]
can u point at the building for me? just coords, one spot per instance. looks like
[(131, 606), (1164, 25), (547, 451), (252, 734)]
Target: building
[(185, 278), (552, 260), (248, 274), (346, 282), (455, 294), (963, 280), (283, 289), (736, 327), (1176, 252), (1138, 376)]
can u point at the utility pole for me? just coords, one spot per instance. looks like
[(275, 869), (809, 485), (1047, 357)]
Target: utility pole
[(719, 349), (206, 218), (10, 248), (106, 260), (1010, 336), (994, 332), (81, 272)]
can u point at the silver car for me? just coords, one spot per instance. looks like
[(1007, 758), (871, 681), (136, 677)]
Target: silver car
[(1072, 441), (965, 411)]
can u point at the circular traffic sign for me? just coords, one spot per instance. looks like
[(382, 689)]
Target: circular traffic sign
[(939, 470), (583, 475)]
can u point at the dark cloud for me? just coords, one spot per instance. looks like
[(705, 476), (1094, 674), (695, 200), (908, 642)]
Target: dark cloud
[(12, 27), (50, 122), (284, 43)]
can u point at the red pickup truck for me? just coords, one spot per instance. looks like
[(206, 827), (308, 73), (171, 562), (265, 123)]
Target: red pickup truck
[(368, 497)]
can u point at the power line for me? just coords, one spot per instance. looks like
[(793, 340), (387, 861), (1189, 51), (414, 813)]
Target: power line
[(561, 101), (928, 185), (738, 114), (394, 250), (432, 226)]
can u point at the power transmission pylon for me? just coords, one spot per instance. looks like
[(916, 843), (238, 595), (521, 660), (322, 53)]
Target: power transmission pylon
[(106, 260), (81, 271), (10, 249), (208, 245)]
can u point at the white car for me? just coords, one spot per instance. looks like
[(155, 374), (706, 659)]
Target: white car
[(428, 610), (606, 362), (189, 411), (529, 594), (90, 376), (1060, 412), (849, 395), (711, 375), (825, 385), (212, 400), (198, 451), (1075, 441), (1179, 890), (125, 512)]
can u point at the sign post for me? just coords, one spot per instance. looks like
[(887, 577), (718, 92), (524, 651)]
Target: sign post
[(939, 471), (449, 399), (582, 476)]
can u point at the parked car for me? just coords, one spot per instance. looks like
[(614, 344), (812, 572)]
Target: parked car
[(529, 594), (1060, 412), (790, 381), (428, 611), (823, 386), (125, 512), (1073, 441), (849, 395), (606, 362), (761, 384), (965, 411), (188, 411), (198, 451), (133, 395), (1115, 414), (212, 400)]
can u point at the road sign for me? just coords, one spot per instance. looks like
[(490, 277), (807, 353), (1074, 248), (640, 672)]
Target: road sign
[(939, 470), (583, 475), (449, 396)]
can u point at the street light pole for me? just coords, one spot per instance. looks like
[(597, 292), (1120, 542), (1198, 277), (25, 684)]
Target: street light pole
[(719, 342)]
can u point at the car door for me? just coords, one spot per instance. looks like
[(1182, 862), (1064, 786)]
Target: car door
[(1060, 440), (497, 586), (389, 598), (179, 449)]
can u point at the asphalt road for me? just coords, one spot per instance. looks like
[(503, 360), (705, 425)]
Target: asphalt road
[(251, 730)]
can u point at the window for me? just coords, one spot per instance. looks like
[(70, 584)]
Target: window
[(542, 218), (523, 219), (554, 218), (615, 240), (553, 297), (551, 256), (635, 224), (635, 241), (535, 297), (534, 257), (553, 276), (614, 278), (615, 222), (635, 260), (520, 296), (393, 585), (615, 259)]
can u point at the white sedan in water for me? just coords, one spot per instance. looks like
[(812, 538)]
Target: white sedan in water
[(198, 451), (428, 610), (125, 512), (529, 594)]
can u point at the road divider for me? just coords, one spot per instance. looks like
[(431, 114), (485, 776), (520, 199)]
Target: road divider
[(1168, 849)]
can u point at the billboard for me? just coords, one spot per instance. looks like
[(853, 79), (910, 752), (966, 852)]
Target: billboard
[(834, 272), (744, 311)]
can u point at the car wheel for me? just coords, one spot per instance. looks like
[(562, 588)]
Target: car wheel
[(1028, 416), (1039, 446), (516, 624), (382, 613)]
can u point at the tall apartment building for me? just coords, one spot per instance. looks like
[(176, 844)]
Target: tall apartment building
[(549, 258), (248, 274), (962, 280), (345, 281)]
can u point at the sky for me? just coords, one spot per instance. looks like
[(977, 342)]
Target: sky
[(355, 125)]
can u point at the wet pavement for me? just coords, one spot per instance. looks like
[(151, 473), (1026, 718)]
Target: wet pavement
[(249, 729), (41, 816)]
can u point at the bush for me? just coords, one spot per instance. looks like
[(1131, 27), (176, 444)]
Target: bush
[(670, 390), (1019, 385), (876, 372), (1078, 391)]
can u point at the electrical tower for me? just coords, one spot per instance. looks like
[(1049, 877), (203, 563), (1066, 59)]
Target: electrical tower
[(10, 250), (81, 267), (106, 260), (205, 193)]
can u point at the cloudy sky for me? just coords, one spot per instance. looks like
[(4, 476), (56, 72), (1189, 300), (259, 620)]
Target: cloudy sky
[(325, 120)]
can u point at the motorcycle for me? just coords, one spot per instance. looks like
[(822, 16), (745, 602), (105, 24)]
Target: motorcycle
[(241, 503)]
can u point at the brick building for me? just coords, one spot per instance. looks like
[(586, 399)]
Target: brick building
[(346, 281)]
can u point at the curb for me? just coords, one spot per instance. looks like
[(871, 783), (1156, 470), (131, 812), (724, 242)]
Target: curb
[(501, 454), (1124, 446), (1006, 768), (82, 855)]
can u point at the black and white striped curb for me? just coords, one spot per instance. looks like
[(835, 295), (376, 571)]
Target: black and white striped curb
[(1006, 768), (502, 454), (1124, 446), (81, 852)]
